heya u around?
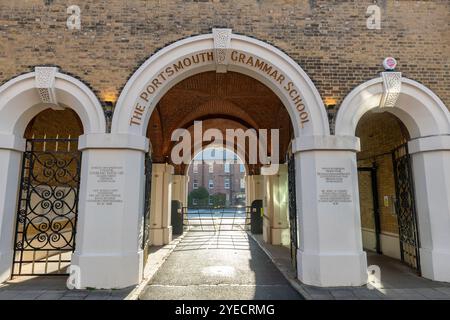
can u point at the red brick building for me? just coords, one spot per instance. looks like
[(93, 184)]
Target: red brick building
[(218, 176)]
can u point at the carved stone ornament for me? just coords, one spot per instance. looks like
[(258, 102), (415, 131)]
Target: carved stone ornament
[(222, 39), (392, 86), (45, 85)]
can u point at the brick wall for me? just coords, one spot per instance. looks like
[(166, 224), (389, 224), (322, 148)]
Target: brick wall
[(329, 39)]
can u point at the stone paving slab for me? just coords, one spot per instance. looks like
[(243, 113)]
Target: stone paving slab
[(398, 282), (53, 288)]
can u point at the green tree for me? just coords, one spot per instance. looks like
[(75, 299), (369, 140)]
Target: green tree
[(201, 195), (218, 199)]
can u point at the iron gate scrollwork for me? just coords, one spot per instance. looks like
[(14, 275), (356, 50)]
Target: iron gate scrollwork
[(405, 208), (147, 202), (47, 207), (292, 209)]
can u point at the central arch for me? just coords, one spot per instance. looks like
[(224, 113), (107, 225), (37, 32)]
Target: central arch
[(223, 51), (126, 148), (220, 51)]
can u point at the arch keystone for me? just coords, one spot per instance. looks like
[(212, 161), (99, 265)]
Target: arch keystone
[(222, 40), (45, 85), (392, 86)]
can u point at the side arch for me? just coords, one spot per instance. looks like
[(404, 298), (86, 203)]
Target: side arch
[(422, 112), (21, 99), (24, 97), (427, 120)]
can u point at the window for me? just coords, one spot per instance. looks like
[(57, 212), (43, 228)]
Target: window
[(242, 183), (194, 202), (195, 170), (195, 184), (210, 201), (211, 167), (226, 168), (227, 183), (241, 168), (211, 184)]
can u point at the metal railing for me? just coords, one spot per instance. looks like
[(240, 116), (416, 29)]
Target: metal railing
[(217, 219)]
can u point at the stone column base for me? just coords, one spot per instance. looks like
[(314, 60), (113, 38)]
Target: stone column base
[(161, 236), (435, 265), (280, 236), (332, 270), (5, 265), (107, 271)]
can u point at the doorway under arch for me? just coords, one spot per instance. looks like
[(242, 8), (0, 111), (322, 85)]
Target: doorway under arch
[(47, 210), (387, 199)]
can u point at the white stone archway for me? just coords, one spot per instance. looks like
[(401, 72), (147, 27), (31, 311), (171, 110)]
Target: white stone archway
[(21, 99), (428, 122), (330, 253), (220, 51)]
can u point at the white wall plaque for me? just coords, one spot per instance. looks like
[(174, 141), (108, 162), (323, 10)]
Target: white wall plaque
[(333, 181), (104, 193)]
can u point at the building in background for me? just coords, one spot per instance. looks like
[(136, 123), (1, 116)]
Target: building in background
[(219, 172)]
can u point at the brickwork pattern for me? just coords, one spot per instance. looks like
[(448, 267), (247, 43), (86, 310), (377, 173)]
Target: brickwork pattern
[(329, 39)]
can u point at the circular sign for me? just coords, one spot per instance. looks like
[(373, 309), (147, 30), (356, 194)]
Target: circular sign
[(389, 63)]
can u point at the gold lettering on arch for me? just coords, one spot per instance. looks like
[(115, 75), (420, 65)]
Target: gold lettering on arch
[(185, 63), (168, 72), (281, 80)]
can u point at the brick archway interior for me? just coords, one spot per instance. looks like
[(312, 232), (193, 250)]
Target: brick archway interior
[(221, 100)]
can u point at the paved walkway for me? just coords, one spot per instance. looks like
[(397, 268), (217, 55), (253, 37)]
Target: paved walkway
[(226, 265), (398, 282), (53, 288)]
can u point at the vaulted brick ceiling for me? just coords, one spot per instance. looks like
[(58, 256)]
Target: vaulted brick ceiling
[(232, 100)]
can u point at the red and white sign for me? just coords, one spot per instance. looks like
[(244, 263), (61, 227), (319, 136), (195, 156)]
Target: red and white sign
[(389, 63)]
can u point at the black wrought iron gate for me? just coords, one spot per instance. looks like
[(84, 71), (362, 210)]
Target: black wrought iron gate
[(405, 207), (147, 190), (292, 209), (47, 207)]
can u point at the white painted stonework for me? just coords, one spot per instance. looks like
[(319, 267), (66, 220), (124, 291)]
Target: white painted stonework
[(109, 233), (276, 206), (150, 70), (330, 247), (180, 188), (254, 188), (161, 206)]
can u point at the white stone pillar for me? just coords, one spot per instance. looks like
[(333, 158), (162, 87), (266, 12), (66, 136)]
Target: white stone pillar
[(330, 248), (254, 188), (248, 190), (276, 207), (431, 174), (111, 202), (160, 215), (11, 148), (179, 186), (268, 208)]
